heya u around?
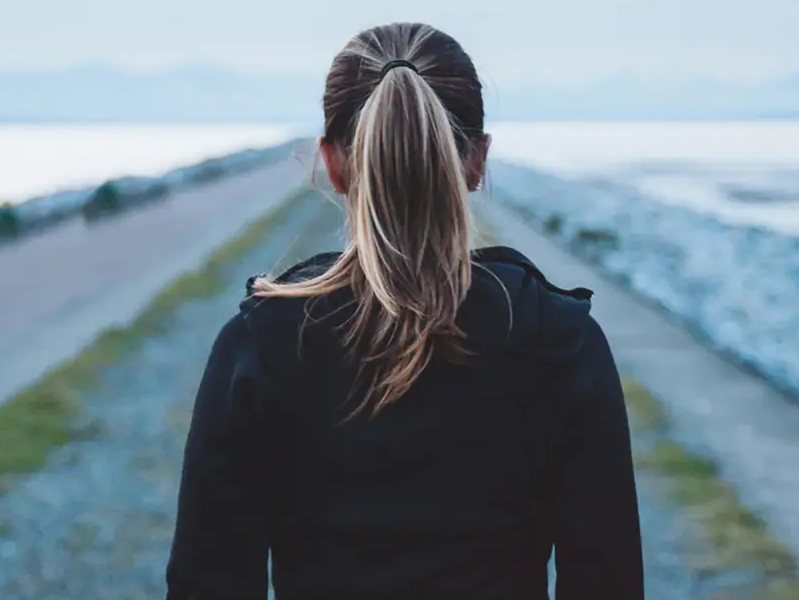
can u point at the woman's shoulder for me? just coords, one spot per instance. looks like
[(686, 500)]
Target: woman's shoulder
[(545, 319), (281, 326), (304, 269), (506, 258), (259, 311)]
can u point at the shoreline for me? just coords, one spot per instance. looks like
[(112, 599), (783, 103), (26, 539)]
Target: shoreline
[(117, 194)]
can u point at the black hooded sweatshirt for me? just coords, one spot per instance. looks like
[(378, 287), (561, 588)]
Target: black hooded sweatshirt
[(460, 489)]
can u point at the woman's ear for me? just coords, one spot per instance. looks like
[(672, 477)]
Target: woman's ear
[(476, 162), (335, 164)]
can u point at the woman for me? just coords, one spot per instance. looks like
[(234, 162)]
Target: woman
[(408, 419)]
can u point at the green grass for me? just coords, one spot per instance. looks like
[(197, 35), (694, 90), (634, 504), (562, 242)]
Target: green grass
[(731, 537), (9, 220), (553, 224), (40, 418), (738, 538), (779, 590), (596, 237), (646, 412)]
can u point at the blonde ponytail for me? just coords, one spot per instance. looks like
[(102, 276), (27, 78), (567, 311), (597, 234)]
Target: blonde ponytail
[(408, 258)]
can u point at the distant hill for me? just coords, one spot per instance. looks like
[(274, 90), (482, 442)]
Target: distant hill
[(204, 94), (629, 98), (189, 94)]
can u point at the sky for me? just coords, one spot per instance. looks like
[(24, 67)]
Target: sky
[(513, 42)]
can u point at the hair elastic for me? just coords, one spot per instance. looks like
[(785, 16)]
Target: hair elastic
[(399, 62)]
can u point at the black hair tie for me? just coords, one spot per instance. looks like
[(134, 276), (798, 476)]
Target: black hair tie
[(393, 64)]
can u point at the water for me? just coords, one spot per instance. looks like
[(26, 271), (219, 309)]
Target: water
[(742, 173), (37, 160), (701, 217)]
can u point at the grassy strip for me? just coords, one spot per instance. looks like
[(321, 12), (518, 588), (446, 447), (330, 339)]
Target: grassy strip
[(739, 541), (40, 418)]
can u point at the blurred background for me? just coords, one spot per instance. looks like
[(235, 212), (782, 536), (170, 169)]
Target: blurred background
[(155, 154)]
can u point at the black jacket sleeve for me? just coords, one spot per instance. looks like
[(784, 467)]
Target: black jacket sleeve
[(221, 543), (597, 536)]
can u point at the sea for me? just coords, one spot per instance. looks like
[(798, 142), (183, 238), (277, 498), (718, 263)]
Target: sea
[(700, 217), (42, 159)]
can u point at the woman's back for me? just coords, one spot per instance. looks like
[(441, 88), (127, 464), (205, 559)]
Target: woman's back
[(458, 490), (408, 419)]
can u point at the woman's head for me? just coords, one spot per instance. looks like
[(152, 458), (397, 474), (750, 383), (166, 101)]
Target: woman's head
[(404, 143), (439, 61)]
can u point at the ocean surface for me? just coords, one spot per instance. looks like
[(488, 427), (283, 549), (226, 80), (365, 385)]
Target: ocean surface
[(742, 173), (702, 218), (37, 160)]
